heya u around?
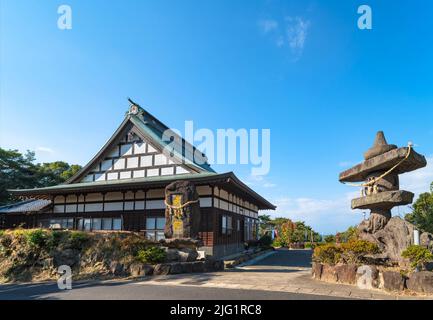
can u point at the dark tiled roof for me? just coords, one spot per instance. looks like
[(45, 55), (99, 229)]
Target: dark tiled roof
[(25, 206)]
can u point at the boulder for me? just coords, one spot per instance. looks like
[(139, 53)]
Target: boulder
[(161, 269), (139, 270), (346, 273), (176, 267), (421, 282), (329, 274), (367, 277), (212, 265), (189, 215), (198, 266), (316, 270), (187, 255), (117, 268), (393, 281), (180, 243), (186, 267), (394, 238), (69, 257), (426, 240), (172, 254)]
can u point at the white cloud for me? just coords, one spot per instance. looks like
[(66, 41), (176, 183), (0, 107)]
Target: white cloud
[(418, 181), (268, 25), (297, 31), (259, 181), (292, 32), (45, 149), (324, 215), (269, 185)]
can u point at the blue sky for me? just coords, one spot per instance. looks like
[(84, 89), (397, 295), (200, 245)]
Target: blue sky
[(300, 68)]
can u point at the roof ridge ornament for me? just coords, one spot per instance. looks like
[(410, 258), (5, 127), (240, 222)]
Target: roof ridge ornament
[(134, 108)]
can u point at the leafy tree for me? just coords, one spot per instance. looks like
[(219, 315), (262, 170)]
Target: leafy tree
[(422, 214), (329, 238), (264, 223), (350, 234), (18, 171)]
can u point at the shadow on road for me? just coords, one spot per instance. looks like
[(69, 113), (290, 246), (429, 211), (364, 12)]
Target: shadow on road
[(287, 258)]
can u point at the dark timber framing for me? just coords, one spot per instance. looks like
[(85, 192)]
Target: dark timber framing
[(223, 197)]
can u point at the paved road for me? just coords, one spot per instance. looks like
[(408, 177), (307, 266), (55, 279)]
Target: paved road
[(282, 275), (125, 290)]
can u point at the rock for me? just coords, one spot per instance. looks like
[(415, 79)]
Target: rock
[(161, 269), (426, 240), (187, 255), (316, 270), (367, 277), (176, 267), (117, 268), (137, 269), (198, 266), (394, 238), (186, 267), (212, 265), (329, 274), (376, 260), (429, 266), (190, 214), (69, 257), (393, 281), (346, 273), (421, 282), (47, 263), (172, 254), (180, 243)]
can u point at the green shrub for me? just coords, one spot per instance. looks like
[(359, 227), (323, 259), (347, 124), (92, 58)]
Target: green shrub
[(278, 242), (78, 239), (418, 256), (327, 253), (36, 237), (54, 239), (354, 250), (350, 252), (2, 233), (309, 245), (151, 255), (265, 241)]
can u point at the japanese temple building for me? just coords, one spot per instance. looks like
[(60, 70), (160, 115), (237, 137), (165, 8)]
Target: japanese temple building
[(122, 188)]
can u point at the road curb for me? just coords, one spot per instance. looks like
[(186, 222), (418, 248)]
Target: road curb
[(256, 259)]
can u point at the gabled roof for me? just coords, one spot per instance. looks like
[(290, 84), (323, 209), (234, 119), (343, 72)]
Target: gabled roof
[(150, 128), (26, 206), (229, 180)]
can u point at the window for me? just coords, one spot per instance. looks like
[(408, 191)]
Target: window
[(238, 227), (96, 225), (88, 224), (106, 223), (62, 223), (155, 228), (117, 224), (226, 224)]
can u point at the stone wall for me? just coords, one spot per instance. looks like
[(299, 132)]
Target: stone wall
[(373, 277)]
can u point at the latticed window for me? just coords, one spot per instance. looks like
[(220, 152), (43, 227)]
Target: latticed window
[(155, 228), (226, 224)]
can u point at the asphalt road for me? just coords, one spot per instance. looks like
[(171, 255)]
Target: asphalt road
[(124, 290), (140, 290)]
